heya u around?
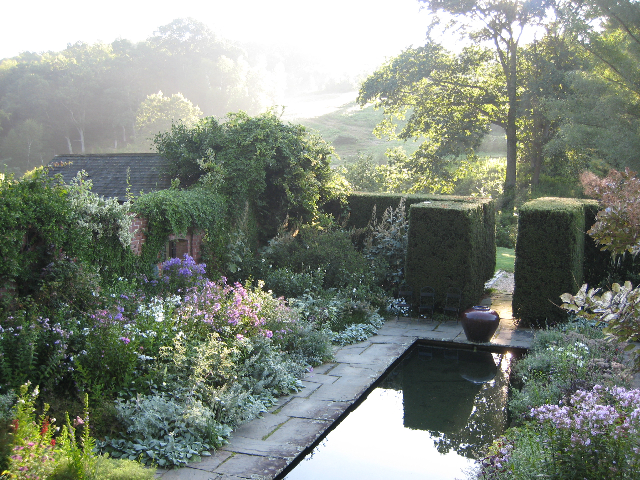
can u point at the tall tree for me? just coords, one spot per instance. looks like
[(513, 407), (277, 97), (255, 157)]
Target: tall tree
[(157, 113), (548, 66), (501, 23), (602, 118), (446, 99)]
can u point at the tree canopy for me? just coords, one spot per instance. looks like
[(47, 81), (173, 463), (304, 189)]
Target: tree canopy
[(500, 24), (88, 98), (564, 92), (447, 100), (281, 169), (600, 120)]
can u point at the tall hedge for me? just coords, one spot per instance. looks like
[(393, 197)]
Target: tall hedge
[(597, 263), (451, 244), (550, 251), (361, 204)]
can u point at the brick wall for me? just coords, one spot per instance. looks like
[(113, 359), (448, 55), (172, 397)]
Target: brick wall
[(138, 228), (191, 243)]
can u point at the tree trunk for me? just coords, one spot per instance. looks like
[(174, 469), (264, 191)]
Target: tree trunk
[(81, 132), (28, 154), (536, 148), (69, 145), (512, 138)]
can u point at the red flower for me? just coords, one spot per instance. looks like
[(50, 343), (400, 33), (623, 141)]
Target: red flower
[(45, 427)]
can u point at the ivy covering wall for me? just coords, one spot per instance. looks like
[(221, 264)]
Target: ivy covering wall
[(177, 212), (282, 169)]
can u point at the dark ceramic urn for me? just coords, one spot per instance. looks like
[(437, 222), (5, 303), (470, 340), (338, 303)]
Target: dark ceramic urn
[(479, 323)]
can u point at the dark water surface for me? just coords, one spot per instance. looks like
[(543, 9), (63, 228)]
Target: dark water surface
[(429, 418)]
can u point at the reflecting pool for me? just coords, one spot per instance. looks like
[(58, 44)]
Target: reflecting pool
[(430, 417)]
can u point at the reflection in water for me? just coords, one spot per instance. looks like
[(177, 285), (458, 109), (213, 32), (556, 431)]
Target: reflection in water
[(453, 400), (459, 396)]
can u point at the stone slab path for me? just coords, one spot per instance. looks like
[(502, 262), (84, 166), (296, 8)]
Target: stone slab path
[(264, 447)]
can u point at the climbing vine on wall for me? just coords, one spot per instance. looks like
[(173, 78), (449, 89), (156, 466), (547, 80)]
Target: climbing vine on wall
[(45, 224), (281, 169), (176, 211)]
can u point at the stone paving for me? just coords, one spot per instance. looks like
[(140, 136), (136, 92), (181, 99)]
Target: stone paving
[(263, 448)]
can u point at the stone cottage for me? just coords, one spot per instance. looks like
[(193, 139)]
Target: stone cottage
[(125, 176)]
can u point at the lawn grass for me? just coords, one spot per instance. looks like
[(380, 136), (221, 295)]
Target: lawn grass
[(505, 259)]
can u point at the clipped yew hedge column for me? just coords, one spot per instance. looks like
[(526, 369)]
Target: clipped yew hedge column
[(361, 204), (597, 262), (549, 258), (451, 244)]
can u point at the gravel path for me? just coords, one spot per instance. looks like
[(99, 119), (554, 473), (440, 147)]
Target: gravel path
[(502, 282)]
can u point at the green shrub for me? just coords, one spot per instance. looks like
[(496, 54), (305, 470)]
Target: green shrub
[(305, 341), (359, 332), (288, 284), (266, 371), (68, 281), (32, 349), (281, 169), (363, 174), (106, 469), (593, 435), (575, 418), (603, 268), (7, 401), (480, 176), (54, 238), (39, 453), (386, 243), (506, 230), (616, 309), (329, 251), (36, 213), (361, 204), (110, 355), (559, 363), (165, 431)]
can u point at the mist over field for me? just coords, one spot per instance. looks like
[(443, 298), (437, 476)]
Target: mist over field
[(111, 85)]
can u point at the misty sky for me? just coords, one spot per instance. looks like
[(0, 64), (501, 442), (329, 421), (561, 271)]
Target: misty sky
[(350, 35)]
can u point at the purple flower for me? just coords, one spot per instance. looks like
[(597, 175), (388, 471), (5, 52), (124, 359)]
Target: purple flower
[(125, 340)]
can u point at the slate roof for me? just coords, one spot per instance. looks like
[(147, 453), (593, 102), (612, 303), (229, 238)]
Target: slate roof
[(108, 173)]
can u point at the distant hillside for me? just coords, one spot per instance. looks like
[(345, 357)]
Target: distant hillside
[(349, 129)]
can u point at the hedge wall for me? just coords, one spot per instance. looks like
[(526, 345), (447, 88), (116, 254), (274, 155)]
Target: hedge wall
[(550, 250), (451, 244), (361, 204), (597, 263)]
